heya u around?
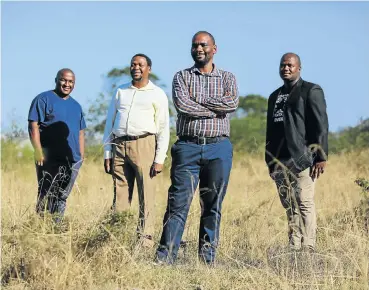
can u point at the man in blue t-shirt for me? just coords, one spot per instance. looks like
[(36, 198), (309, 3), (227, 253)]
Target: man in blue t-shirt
[(56, 129)]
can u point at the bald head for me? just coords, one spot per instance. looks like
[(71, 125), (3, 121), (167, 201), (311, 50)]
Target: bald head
[(62, 71), (64, 82), (293, 55), (289, 68)]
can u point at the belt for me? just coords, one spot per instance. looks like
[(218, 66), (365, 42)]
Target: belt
[(202, 140), (131, 138)]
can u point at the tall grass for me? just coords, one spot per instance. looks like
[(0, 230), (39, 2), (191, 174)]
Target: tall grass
[(94, 249)]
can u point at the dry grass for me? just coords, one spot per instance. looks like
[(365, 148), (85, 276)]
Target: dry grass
[(96, 251)]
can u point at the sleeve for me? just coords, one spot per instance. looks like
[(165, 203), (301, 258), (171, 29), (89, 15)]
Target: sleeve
[(163, 132), (108, 132), (184, 104), (228, 103), (82, 123), (37, 110), (268, 145), (317, 122)]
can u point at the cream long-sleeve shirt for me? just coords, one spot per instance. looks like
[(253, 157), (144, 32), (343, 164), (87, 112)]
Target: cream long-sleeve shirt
[(135, 112)]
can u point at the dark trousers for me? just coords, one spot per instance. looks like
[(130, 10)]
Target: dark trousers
[(192, 163), (55, 182)]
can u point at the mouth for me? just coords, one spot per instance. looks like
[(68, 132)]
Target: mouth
[(136, 73)]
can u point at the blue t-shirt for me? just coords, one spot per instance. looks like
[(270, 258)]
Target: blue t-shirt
[(60, 122)]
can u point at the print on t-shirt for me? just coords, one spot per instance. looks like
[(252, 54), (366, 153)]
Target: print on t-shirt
[(279, 107)]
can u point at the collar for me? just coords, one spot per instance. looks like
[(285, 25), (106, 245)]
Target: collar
[(214, 73), (149, 86), (290, 89)]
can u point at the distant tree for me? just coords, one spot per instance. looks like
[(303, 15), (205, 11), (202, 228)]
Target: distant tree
[(350, 138), (249, 124), (253, 104)]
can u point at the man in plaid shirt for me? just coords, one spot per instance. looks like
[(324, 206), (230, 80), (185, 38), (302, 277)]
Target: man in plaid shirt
[(204, 96)]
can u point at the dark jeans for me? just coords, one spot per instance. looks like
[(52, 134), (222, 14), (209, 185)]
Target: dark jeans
[(211, 165), (55, 182)]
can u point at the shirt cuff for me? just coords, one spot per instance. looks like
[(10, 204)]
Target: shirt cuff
[(160, 158), (107, 154)]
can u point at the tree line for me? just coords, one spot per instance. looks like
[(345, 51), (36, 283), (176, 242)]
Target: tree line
[(248, 123)]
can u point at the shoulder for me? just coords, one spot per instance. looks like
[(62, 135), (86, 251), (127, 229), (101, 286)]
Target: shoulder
[(314, 93), (275, 93), (124, 86), (184, 72), (44, 96), (310, 86), (121, 88), (226, 74), (75, 103), (158, 89)]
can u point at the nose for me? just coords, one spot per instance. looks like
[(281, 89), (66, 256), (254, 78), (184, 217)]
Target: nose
[(197, 47)]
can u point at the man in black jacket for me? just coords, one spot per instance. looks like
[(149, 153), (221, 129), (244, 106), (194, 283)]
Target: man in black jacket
[(297, 148)]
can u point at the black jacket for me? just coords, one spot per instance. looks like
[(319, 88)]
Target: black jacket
[(305, 126)]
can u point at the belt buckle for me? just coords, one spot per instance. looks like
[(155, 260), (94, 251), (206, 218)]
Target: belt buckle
[(203, 142)]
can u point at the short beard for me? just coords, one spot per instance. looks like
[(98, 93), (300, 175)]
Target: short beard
[(201, 63)]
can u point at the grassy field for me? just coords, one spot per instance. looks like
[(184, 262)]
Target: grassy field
[(95, 250)]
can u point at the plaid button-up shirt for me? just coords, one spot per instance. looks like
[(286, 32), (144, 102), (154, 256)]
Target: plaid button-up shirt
[(204, 101)]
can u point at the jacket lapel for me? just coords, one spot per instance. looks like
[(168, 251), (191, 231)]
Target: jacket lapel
[(295, 93)]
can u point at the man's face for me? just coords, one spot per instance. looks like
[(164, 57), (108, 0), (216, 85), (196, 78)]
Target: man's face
[(139, 68), (289, 68), (202, 49), (64, 83)]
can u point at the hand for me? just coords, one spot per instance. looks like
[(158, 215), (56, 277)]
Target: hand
[(155, 169), (317, 169), (108, 165), (39, 158)]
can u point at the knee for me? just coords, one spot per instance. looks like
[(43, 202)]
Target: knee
[(307, 203), (178, 207)]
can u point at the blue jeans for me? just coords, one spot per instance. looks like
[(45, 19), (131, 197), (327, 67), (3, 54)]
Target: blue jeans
[(55, 182), (211, 165)]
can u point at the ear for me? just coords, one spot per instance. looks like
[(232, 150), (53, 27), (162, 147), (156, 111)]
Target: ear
[(56, 80), (215, 49)]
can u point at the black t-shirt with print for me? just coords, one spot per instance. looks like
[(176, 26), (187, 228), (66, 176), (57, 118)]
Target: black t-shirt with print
[(281, 150)]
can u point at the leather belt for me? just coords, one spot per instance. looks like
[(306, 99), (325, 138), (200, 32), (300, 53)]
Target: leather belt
[(202, 140), (131, 138)]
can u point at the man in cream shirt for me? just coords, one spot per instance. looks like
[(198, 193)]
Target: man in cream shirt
[(136, 140)]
